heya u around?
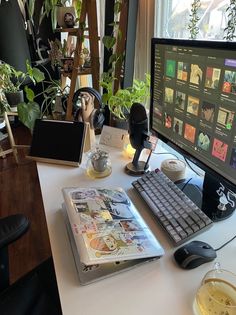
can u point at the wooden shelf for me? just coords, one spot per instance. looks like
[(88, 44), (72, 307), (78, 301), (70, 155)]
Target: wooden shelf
[(71, 31), (89, 14), (85, 71)]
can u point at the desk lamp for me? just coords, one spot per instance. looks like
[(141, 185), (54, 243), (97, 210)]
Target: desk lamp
[(138, 135)]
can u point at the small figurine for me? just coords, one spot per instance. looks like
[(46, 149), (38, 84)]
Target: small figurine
[(81, 61)]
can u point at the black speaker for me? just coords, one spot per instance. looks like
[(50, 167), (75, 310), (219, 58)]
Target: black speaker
[(97, 116)]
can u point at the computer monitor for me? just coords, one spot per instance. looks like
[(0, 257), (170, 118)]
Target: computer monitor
[(193, 109)]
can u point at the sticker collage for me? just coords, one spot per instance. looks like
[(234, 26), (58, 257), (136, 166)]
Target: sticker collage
[(109, 224)]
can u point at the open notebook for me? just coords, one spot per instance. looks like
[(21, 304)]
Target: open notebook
[(106, 232)]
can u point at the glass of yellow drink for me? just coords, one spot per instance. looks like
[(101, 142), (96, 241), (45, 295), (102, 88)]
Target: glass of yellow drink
[(217, 294)]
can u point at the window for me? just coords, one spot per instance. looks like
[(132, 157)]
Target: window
[(172, 18)]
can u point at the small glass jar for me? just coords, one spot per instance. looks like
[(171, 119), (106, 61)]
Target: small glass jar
[(98, 164)]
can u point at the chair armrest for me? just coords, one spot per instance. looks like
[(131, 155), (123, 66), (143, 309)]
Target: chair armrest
[(11, 228)]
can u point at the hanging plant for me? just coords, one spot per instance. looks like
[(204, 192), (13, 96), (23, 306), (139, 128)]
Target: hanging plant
[(194, 18), (119, 102), (110, 41), (230, 29)]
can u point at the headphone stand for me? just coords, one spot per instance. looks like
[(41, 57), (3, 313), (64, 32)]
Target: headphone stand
[(87, 138)]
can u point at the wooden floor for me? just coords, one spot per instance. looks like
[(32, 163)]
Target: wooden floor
[(20, 193)]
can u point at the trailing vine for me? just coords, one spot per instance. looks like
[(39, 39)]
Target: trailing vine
[(119, 102), (194, 18), (230, 29), (110, 41)]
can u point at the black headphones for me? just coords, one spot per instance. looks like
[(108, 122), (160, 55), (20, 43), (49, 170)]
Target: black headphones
[(97, 116)]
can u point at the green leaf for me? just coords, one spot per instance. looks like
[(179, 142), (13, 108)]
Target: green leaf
[(29, 68), (105, 98), (113, 58), (117, 7), (28, 113), (54, 18), (31, 8), (29, 94), (109, 41), (38, 75)]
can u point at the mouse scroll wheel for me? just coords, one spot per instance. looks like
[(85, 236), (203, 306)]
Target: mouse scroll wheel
[(206, 247)]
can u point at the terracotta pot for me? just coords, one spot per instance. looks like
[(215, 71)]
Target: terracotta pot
[(63, 13)]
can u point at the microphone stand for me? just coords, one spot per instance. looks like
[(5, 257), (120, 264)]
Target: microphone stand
[(136, 167)]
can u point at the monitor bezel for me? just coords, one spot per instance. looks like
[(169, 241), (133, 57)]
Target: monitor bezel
[(222, 45)]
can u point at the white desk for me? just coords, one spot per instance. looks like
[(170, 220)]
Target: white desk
[(158, 287)]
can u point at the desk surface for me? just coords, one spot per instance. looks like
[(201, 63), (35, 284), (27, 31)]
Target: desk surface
[(158, 287)]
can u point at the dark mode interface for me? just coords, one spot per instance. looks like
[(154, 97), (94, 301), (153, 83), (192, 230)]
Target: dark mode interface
[(194, 103)]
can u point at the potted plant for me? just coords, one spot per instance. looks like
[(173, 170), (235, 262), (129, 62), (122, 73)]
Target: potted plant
[(13, 80), (61, 55), (119, 103), (57, 10), (120, 100), (51, 92), (99, 160)]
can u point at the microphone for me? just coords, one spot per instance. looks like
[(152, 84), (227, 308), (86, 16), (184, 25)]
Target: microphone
[(138, 135)]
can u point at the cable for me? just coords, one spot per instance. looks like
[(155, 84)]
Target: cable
[(186, 183), (225, 243), (191, 167), (167, 153)]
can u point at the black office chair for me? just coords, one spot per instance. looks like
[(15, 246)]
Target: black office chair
[(34, 294)]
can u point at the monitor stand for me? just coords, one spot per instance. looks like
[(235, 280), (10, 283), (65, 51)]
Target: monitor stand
[(215, 196)]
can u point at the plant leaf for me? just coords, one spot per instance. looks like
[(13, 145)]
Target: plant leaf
[(28, 113), (31, 8), (29, 94), (38, 75), (109, 41)]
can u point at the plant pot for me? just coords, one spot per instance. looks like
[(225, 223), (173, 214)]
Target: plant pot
[(100, 165), (67, 64), (119, 123), (14, 98), (66, 17)]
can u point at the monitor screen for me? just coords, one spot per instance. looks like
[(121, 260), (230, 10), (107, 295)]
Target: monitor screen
[(193, 109), (193, 100)]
